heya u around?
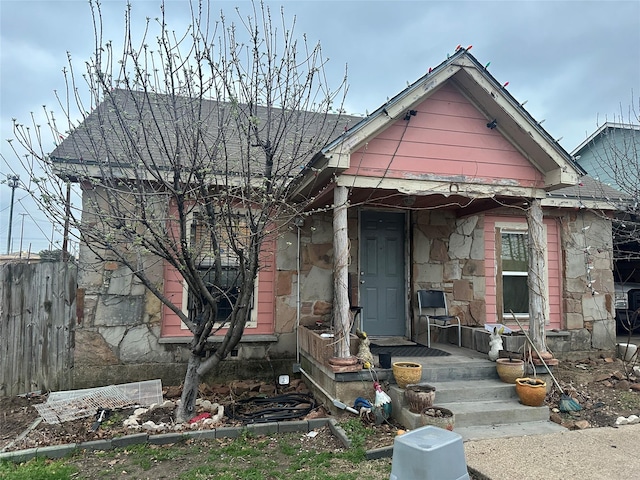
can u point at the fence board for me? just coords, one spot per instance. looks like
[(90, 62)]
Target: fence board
[(37, 312)]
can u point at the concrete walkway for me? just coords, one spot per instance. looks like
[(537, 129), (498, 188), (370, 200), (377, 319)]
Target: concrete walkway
[(592, 454)]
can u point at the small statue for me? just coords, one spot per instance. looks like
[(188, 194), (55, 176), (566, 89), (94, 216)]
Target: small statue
[(495, 345), (364, 352)]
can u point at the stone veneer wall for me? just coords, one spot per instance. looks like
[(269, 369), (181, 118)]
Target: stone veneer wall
[(316, 271), (118, 326), (587, 245), (118, 333), (448, 254)]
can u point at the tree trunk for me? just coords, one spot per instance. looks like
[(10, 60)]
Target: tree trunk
[(186, 409), (537, 278), (341, 317)]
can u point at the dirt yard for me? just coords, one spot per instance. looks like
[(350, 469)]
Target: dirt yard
[(600, 385)]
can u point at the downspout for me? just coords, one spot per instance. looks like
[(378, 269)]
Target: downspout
[(298, 223)]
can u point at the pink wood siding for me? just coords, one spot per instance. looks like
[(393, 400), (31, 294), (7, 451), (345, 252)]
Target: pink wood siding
[(171, 325), (554, 271), (447, 138)]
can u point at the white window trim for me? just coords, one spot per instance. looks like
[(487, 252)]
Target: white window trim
[(520, 228)]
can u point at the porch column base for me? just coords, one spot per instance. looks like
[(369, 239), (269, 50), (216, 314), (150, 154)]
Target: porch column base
[(346, 364), (546, 356)]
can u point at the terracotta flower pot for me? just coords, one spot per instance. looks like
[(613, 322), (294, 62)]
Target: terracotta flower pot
[(406, 373), (419, 396), (509, 369), (531, 391)]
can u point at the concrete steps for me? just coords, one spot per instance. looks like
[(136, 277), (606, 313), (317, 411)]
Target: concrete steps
[(483, 405)]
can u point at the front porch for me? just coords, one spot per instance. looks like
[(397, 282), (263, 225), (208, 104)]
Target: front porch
[(466, 383)]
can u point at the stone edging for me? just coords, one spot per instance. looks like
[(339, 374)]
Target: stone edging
[(60, 451)]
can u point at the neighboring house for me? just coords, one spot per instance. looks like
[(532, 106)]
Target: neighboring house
[(612, 155), (438, 181)]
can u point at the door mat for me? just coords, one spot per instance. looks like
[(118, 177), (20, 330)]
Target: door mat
[(390, 341), (416, 350)]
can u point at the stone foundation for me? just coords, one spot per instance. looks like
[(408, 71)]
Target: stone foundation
[(173, 373)]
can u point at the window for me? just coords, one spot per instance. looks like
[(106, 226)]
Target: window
[(513, 268), (229, 281)]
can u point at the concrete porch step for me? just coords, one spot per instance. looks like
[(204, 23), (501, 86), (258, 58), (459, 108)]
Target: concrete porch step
[(482, 413), (481, 432), (470, 370), (459, 391)]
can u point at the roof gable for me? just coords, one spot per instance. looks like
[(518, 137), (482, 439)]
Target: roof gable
[(446, 140), (490, 98)]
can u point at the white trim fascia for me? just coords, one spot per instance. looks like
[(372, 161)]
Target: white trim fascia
[(444, 186), (578, 203), (560, 177)]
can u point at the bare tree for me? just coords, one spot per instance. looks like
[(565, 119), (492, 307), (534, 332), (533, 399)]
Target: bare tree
[(612, 157), (184, 152), (616, 163)]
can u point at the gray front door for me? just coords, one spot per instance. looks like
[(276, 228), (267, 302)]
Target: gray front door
[(382, 282)]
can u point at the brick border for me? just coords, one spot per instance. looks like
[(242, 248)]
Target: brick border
[(60, 451)]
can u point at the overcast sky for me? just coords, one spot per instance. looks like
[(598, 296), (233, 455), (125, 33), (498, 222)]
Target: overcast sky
[(576, 63)]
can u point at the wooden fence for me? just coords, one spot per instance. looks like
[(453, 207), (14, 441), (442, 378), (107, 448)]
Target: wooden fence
[(37, 312)]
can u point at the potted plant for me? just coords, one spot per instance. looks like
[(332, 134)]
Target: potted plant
[(438, 417), (531, 391), (406, 373), (419, 396), (509, 369)]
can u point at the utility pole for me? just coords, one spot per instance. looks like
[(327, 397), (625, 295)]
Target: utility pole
[(21, 233), (13, 181)]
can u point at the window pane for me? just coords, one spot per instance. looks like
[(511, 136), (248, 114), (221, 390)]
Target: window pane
[(514, 254), (515, 293)]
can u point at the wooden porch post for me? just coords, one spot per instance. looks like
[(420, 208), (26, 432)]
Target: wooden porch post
[(341, 317), (537, 279)]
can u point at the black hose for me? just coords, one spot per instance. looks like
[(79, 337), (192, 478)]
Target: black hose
[(274, 409)]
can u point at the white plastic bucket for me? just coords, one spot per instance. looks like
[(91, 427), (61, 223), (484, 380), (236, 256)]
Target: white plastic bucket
[(626, 351)]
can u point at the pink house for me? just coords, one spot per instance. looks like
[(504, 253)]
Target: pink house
[(430, 191), (437, 184)]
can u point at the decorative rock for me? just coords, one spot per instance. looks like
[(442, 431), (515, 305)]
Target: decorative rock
[(168, 404), (622, 421), (635, 387), (602, 377), (140, 411), (268, 389), (582, 424), (218, 416), (633, 419), (131, 422), (555, 418), (150, 426)]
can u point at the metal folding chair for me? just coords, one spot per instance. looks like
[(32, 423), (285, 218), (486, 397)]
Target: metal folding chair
[(434, 301)]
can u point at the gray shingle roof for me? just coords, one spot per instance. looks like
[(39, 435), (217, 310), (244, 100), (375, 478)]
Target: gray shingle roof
[(591, 189), (131, 127)]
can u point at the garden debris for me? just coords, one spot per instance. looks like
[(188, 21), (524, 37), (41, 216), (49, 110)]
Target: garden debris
[(73, 404), (273, 409)]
